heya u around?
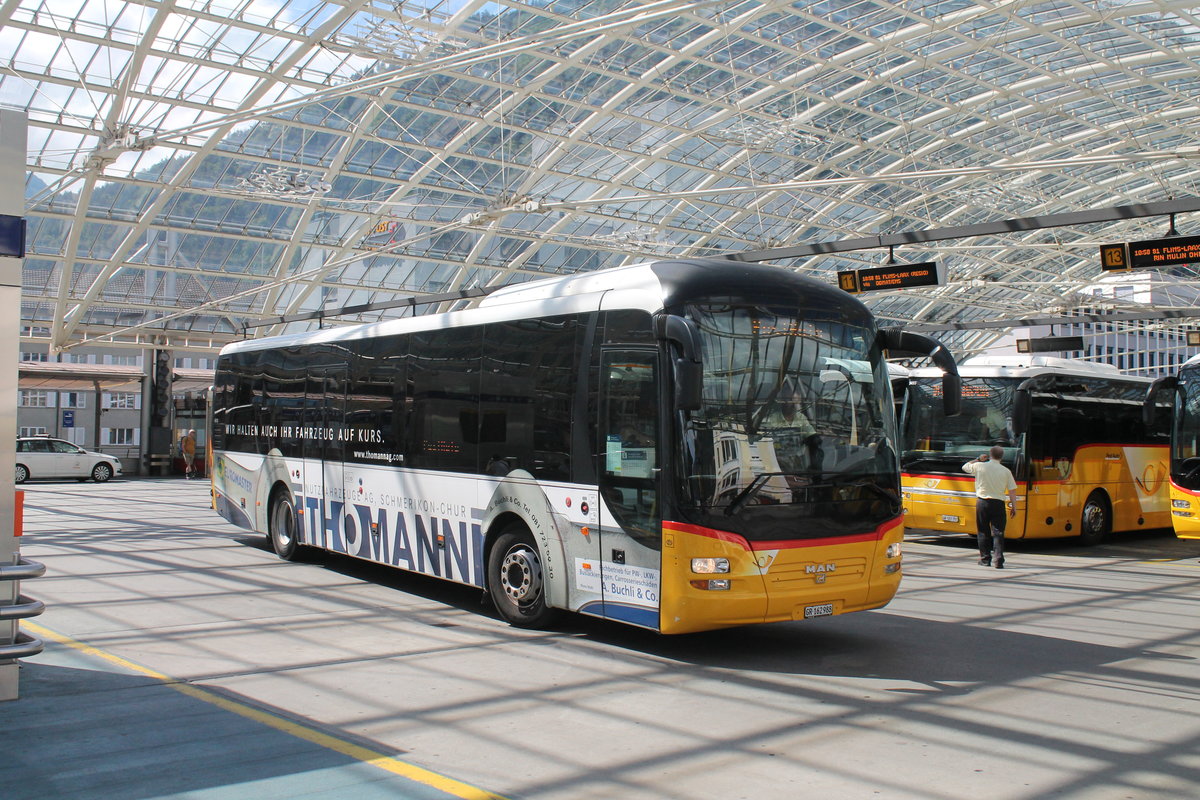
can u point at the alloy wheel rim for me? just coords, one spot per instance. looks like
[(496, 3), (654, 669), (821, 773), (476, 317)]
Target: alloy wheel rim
[(521, 575)]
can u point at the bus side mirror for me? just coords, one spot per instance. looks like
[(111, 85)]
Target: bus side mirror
[(688, 371), (901, 342), (1022, 407), (689, 378), (951, 394), (1150, 405)]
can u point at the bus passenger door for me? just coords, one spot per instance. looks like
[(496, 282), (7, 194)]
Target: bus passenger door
[(630, 514), (325, 401)]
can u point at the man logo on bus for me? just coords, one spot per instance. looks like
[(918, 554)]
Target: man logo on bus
[(817, 569)]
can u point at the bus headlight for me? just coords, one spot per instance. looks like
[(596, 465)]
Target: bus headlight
[(709, 566), (1181, 504), (893, 550)]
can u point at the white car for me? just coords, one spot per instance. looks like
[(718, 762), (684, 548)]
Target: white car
[(42, 457)]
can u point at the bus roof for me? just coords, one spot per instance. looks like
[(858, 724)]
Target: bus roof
[(1027, 366), (650, 286)]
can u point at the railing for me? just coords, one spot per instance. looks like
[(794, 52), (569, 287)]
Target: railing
[(25, 607)]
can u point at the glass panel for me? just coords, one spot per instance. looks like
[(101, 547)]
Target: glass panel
[(934, 442), (1185, 438), (629, 432), (796, 434)]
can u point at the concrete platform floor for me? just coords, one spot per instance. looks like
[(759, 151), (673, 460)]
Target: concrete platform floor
[(185, 660)]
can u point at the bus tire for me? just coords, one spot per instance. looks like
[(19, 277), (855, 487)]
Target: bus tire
[(515, 580), (1095, 522), (283, 529)]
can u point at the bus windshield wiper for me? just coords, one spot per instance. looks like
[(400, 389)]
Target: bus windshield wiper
[(871, 486), (746, 494), (756, 485)]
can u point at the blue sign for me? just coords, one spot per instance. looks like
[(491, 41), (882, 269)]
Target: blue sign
[(68, 419), (12, 236)]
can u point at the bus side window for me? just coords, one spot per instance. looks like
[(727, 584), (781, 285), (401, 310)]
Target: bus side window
[(375, 408), (443, 369)]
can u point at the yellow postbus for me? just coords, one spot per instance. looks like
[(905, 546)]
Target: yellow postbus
[(1073, 434), (1185, 443)]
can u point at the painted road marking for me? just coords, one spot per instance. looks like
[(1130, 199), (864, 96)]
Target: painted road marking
[(359, 753)]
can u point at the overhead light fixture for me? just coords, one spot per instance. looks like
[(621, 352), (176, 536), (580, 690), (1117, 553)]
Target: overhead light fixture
[(642, 239), (768, 135), (284, 182)]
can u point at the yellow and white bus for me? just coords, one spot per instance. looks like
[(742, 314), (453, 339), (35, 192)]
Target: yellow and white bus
[(1073, 434), (1185, 443), (681, 445)]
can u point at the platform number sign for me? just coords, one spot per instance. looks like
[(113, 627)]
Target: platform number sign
[(848, 281), (1114, 257)]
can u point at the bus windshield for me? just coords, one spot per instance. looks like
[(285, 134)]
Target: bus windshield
[(1185, 434), (796, 423), (934, 442)]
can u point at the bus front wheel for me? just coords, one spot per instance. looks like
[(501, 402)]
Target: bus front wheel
[(283, 526), (516, 582), (1096, 520)]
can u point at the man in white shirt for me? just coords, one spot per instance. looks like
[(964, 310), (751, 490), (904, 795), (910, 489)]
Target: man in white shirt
[(993, 481)]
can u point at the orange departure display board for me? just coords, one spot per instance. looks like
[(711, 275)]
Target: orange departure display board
[(1164, 252), (893, 276)]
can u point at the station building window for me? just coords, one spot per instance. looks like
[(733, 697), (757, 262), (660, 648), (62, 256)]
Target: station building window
[(33, 398), (122, 400), (119, 436)]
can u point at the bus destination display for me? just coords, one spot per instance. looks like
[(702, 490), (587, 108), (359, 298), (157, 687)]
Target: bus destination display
[(1164, 252), (893, 276)]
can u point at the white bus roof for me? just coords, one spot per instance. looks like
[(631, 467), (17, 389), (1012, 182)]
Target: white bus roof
[(635, 286), (1027, 366), (648, 287)]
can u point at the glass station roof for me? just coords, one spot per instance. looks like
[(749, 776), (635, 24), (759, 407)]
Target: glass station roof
[(200, 168)]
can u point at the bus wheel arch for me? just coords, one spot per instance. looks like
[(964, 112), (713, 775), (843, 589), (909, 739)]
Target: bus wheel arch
[(519, 500), (1095, 521), (515, 575), (283, 524)]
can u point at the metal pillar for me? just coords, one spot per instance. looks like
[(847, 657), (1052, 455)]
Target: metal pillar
[(13, 606)]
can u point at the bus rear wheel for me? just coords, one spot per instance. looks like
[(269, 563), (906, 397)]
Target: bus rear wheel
[(515, 580), (1096, 520), (283, 527)]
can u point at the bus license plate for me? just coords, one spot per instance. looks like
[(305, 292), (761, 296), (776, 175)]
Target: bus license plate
[(823, 610), (950, 518)]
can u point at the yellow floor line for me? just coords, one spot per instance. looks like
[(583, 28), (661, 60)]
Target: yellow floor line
[(357, 752)]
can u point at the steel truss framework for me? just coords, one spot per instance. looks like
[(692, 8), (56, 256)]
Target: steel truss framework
[(200, 167)]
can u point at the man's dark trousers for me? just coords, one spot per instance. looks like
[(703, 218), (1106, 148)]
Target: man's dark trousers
[(989, 522)]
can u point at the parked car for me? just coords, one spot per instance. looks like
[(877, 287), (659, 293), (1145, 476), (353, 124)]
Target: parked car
[(43, 457)]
